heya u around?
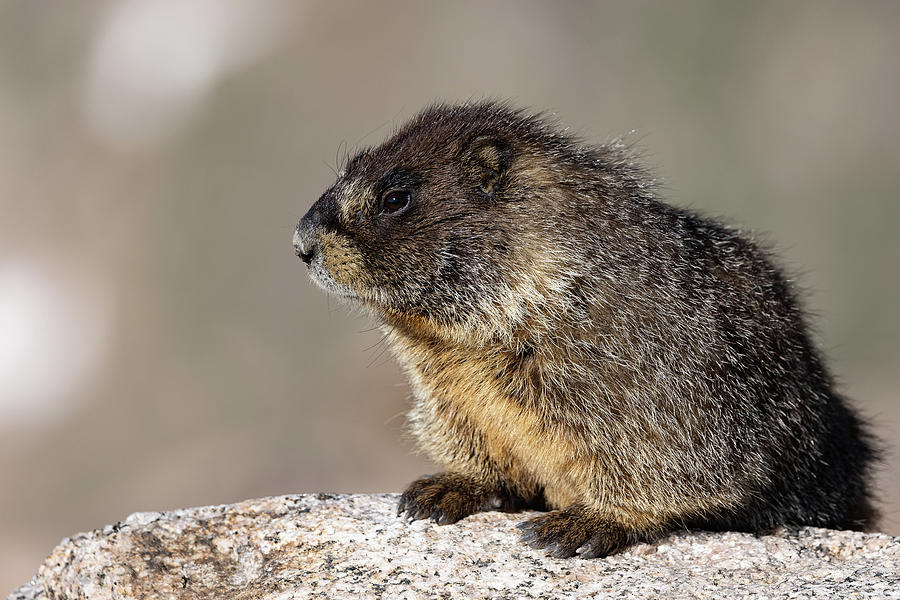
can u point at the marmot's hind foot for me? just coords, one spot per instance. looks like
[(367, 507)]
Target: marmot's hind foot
[(579, 531), (448, 497)]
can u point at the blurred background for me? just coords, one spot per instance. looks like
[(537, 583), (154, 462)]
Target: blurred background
[(162, 347)]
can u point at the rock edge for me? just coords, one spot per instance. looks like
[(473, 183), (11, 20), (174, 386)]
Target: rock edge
[(352, 546)]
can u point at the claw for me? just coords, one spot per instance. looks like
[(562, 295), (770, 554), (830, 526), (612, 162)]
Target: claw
[(529, 531), (590, 551), (553, 549), (560, 551), (528, 538)]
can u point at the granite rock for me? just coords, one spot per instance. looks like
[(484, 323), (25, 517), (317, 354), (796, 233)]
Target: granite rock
[(354, 546)]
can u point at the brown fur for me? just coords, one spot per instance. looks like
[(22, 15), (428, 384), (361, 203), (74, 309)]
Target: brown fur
[(573, 344)]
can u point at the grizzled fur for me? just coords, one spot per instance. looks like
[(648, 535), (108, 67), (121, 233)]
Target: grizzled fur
[(575, 345)]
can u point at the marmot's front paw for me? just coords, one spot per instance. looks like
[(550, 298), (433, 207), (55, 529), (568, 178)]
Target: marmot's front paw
[(578, 530), (448, 497)]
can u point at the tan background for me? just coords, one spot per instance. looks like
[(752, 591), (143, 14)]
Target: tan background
[(160, 345)]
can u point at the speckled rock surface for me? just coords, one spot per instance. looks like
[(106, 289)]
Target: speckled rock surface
[(326, 546)]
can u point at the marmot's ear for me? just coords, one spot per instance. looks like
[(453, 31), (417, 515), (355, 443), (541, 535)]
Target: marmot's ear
[(487, 159)]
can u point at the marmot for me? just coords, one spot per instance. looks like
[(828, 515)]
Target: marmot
[(575, 345)]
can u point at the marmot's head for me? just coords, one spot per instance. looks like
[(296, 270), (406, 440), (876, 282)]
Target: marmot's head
[(451, 224)]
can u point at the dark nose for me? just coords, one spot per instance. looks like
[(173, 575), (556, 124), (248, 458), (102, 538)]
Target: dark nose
[(306, 243)]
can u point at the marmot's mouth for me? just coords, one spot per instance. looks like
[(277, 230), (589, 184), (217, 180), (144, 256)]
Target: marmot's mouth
[(324, 280)]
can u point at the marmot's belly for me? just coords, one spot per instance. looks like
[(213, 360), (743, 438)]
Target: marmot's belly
[(527, 451)]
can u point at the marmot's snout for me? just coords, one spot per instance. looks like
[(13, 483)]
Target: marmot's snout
[(325, 252)]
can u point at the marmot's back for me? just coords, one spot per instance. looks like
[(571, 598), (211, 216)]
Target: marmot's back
[(575, 344)]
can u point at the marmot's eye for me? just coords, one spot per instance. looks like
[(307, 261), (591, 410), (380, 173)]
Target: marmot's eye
[(395, 201)]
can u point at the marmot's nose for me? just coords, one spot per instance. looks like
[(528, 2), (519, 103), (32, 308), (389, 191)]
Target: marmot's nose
[(306, 237), (305, 244)]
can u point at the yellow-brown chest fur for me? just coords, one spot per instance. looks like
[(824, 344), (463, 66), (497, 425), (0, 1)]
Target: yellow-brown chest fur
[(476, 412)]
